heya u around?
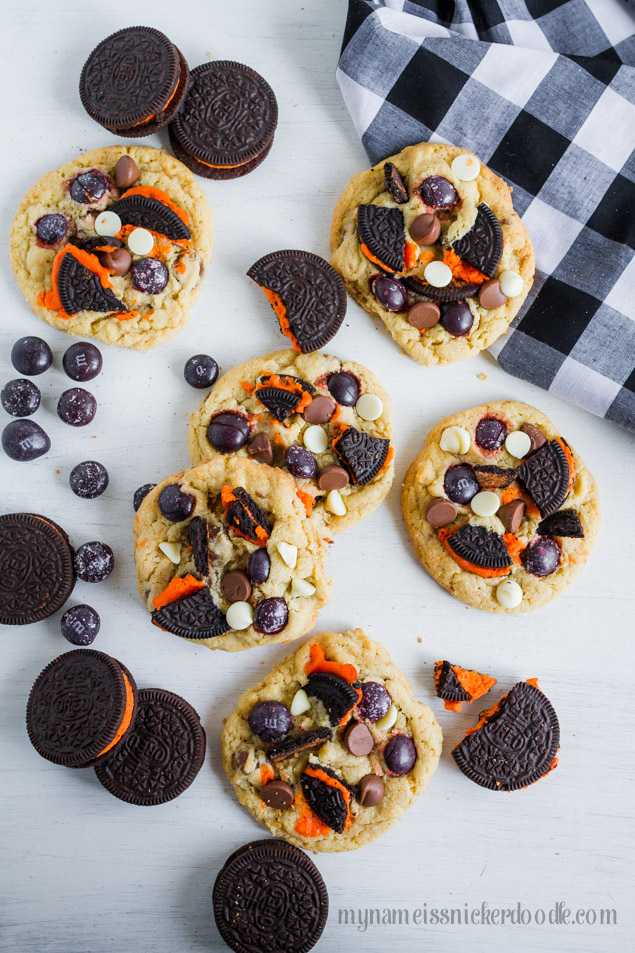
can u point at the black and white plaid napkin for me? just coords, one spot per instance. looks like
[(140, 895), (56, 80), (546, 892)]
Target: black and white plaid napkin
[(544, 92)]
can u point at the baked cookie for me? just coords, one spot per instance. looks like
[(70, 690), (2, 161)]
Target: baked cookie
[(226, 557), (331, 748), (429, 241), (114, 245), (326, 422), (500, 508)]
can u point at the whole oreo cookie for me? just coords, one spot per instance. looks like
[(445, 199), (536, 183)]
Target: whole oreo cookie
[(270, 895), (515, 744), (80, 708), (36, 568), (228, 120), (162, 754), (306, 293), (134, 81)]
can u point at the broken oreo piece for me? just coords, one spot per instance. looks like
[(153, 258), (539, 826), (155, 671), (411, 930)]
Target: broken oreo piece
[(79, 286), (514, 744), (298, 744), (455, 684), (479, 547), (328, 796), (193, 617), (382, 236), (491, 477), (394, 183), (283, 394), (337, 695), (451, 292), (546, 476), (363, 455), (198, 534), (563, 523), (482, 246), (306, 293), (245, 517), (137, 208)]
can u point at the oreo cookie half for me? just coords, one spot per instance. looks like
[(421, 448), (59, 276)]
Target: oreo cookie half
[(281, 394), (160, 756), (545, 475), (451, 292), (337, 695), (482, 246), (228, 119), (194, 617), (306, 293), (328, 796), (514, 745), (144, 211), (80, 708), (80, 288), (269, 895), (363, 455), (480, 546), (382, 235), (36, 568)]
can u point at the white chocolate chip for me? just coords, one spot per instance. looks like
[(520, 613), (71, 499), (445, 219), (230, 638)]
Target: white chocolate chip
[(239, 616), (300, 703), (172, 551), (334, 503), (466, 167), (302, 587), (518, 444), (288, 553), (107, 223), (485, 503), (140, 241), (315, 439), (510, 283), (386, 723), (455, 440), (369, 407), (509, 594), (437, 274)]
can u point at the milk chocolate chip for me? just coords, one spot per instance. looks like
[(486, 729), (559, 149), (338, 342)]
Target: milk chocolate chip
[(536, 436), (320, 410), (260, 448), (278, 795), (425, 229), (424, 315), (359, 740), (332, 478), (370, 790), (511, 515), (490, 295), (126, 172), (440, 512)]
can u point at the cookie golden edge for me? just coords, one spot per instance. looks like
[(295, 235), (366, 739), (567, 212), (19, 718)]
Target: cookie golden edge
[(282, 682), (140, 334), (154, 571), (467, 587), (364, 187), (360, 505)]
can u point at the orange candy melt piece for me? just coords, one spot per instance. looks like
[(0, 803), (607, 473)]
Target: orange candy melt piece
[(319, 663), (178, 588)]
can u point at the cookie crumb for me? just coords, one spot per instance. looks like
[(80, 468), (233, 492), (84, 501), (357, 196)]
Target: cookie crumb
[(482, 377)]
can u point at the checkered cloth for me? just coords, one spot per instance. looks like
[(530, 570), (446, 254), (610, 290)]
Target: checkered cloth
[(543, 92)]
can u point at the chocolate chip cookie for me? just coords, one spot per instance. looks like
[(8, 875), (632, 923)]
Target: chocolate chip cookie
[(429, 241), (226, 557), (326, 422), (331, 748), (500, 508)]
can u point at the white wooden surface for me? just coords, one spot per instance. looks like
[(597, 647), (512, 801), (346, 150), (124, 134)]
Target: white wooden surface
[(85, 873)]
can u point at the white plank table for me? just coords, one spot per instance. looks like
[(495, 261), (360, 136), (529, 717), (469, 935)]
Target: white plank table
[(84, 873)]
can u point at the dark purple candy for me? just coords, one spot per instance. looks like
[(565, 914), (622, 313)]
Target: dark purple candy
[(259, 566), (149, 275), (51, 229), (31, 356), (24, 440), (400, 754), (542, 557), (228, 431), (140, 494), (270, 720), (76, 407), (271, 616), (300, 462), (457, 319), (438, 192), (88, 187), (391, 293), (94, 562), (20, 397), (80, 625), (490, 433), (88, 480), (174, 504), (201, 371), (82, 361), (344, 387), (460, 483), (375, 701)]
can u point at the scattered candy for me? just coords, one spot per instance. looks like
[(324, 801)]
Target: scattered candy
[(31, 356), (126, 172), (140, 494), (315, 439), (518, 444), (334, 503), (107, 224), (88, 480), (201, 371), (236, 586), (20, 397), (388, 720), (344, 387), (140, 241), (391, 293), (76, 407), (466, 167), (460, 483), (369, 407), (82, 361), (51, 229), (174, 504), (511, 515), (332, 478), (260, 448), (455, 440), (149, 275), (425, 229), (288, 553), (375, 702), (277, 794), (80, 625), (509, 594), (24, 440), (511, 284), (438, 192), (271, 616), (490, 433), (302, 588), (300, 462), (88, 187), (172, 551), (490, 295), (542, 557), (239, 616), (424, 315), (485, 503), (400, 754), (457, 318), (437, 274), (259, 566), (370, 790), (535, 435), (118, 261), (270, 720), (440, 512), (300, 703), (228, 431), (94, 562), (359, 740), (320, 410)]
